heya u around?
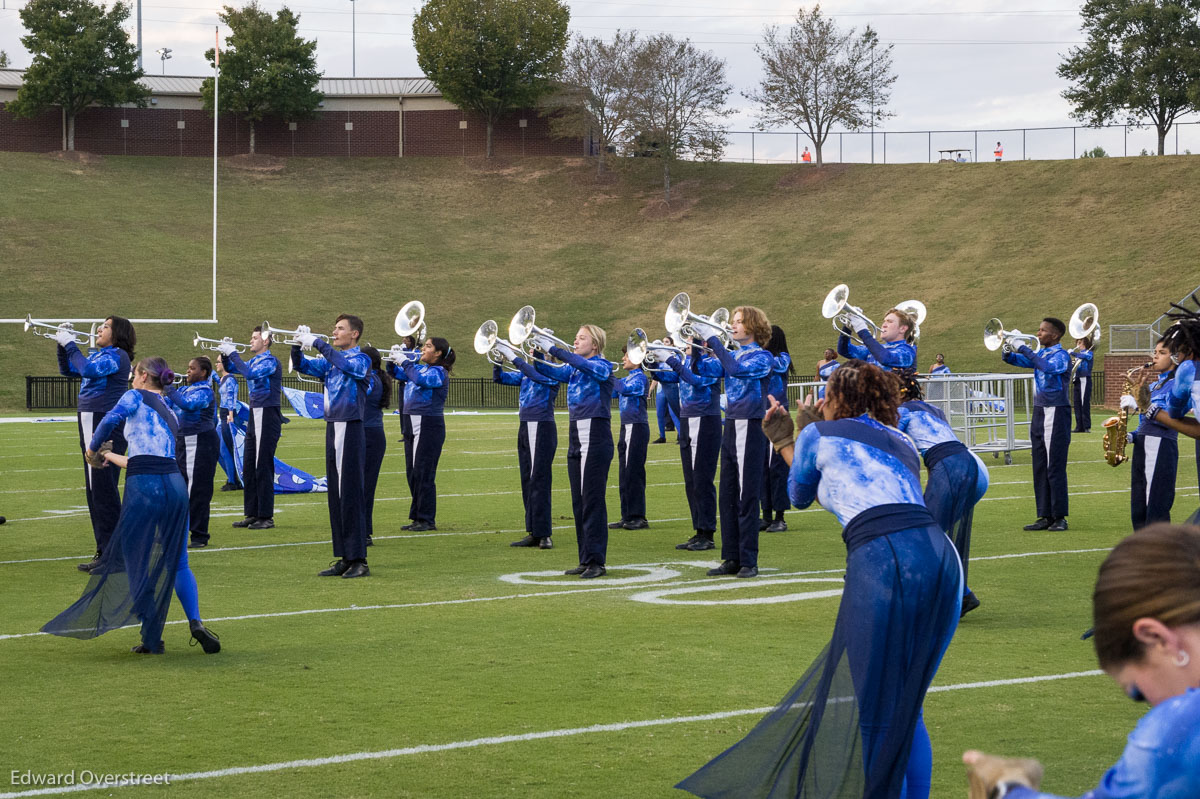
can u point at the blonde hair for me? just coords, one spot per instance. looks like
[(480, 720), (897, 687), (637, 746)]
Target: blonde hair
[(906, 321), (598, 336), (756, 323)]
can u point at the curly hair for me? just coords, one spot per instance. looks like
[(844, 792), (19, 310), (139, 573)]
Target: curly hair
[(858, 387), (1183, 337)]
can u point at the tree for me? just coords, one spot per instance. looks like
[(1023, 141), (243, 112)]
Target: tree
[(1141, 59), (595, 91), (266, 68), (3, 59), (81, 57), (817, 76), (677, 100), (492, 56), (1095, 152)]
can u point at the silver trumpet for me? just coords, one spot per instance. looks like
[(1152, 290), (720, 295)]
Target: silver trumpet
[(286, 337), (523, 330), (214, 344), (681, 323), (498, 351), (400, 356), (996, 337), (48, 330), (410, 321), (300, 375), (650, 355)]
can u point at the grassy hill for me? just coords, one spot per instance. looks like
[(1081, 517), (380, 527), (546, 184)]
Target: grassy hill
[(476, 241)]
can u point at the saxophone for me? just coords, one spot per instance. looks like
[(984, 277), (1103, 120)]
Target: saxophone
[(1116, 428)]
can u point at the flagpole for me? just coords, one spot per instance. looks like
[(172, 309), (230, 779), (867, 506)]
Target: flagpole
[(216, 124)]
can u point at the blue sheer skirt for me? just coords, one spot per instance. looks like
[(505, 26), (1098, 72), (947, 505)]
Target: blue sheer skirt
[(136, 575), (846, 729), (954, 487)]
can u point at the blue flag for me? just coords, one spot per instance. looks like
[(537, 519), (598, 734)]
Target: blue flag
[(309, 404), (288, 479)]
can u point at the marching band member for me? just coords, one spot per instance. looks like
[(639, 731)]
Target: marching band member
[(264, 378), (1050, 425), (537, 443), (228, 391), (633, 391), (426, 386), (957, 477), (396, 371), (666, 403), (105, 374), (148, 553), (1183, 341), (893, 351), (589, 454), (939, 366), (699, 440), (898, 611), (379, 396), (197, 445), (1082, 385), (825, 368), (1155, 447), (344, 369), (743, 447), (775, 471)]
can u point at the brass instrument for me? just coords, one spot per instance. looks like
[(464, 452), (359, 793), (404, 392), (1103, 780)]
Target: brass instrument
[(286, 336), (214, 344), (1084, 324), (837, 308), (649, 354), (995, 337), (681, 322), (523, 331), (498, 351), (917, 310), (1116, 428), (410, 321), (48, 330)]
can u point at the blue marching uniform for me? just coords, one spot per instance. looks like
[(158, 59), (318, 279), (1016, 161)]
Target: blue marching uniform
[(1155, 463), (590, 448), (957, 477), (537, 442), (1082, 391), (666, 404), (345, 375), (1049, 427), (1184, 394), (197, 448), (775, 469), (228, 390), (1161, 758), (425, 391), (406, 435), (889, 356), (633, 392), (898, 612), (824, 372), (148, 556), (743, 448), (700, 435), (105, 377), (374, 448), (264, 379)]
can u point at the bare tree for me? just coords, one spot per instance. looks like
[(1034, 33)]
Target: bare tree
[(678, 99), (818, 75), (594, 96)]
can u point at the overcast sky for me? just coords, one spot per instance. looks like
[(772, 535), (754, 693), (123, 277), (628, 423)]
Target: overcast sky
[(961, 64)]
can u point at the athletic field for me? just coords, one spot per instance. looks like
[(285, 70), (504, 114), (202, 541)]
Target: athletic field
[(466, 668)]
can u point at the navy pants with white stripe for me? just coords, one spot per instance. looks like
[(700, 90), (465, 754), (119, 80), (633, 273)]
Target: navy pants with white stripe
[(102, 485), (406, 436), (197, 458), (700, 451), (774, 493), (743, 451), (589, 456), (1152, 481), (537, 443), (1050, 434), (345, 463), (376, 448), (1083, 404), (258, 462), (631, 469), (428, 436)]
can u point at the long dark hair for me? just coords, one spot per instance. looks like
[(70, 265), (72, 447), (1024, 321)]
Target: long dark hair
[(778, 345), (446, 356), (206, 364), (383, 377), (860, 387), (123, 335), (1183, 337)]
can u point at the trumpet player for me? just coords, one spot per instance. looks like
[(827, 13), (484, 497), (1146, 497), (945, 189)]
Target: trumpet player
[(632, 392), (1155, 445), (699, 439), (1050, 425), (427, 382), (227, 389), (105, 376), (1081, 384), (775, 472), (894, 349), (197, 444), (264, 379)]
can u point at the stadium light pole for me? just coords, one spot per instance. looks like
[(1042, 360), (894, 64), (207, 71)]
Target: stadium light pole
[(353, 72), (139, 32), (164, 54)]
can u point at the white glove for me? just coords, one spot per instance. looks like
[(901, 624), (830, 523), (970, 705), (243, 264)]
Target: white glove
[(704, 331), (858, 324), (1128, 403), (226, 348), (63, 337), (305, 337)]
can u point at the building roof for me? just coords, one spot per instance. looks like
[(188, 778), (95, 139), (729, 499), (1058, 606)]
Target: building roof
[(330, 87)]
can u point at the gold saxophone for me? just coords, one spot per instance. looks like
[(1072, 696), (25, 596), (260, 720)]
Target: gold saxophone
[(1116, 428)]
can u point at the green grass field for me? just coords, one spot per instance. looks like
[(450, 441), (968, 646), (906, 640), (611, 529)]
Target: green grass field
[(437, 677)]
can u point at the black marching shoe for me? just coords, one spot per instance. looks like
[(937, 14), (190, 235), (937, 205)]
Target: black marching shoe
[(197, 544), (659, 440), (262, 524), (91, 564), (246, 522), (593, 571), (208, 640), (357, 569), (747, 571), (527, 541), (726, 568), (336, 569), (578, 570), (636, 524), (777, 526), (620, 525), (763, 524), (545, 543), (1041, 524), (408, 526), (969, 603), (370, 541), (688, 544), (231, 487), (703, 542), (142, 649), (1058, 526), (422, 527)]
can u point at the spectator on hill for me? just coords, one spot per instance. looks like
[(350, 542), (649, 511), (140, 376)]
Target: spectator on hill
[(806, 156), (999, 153), (939, 366)]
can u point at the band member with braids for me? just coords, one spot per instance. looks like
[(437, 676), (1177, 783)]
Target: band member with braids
[(1182, 339), (426, 384), (379, 396), (829, 361), (666, 404), (537, 444), (898, 611), (1050, 425), (105, 374), (895, 348), (264, 379), (775, 471), (589, 379), (147, 556), (228, 391), (1081, 384), (957, 477), (197, 445), (699, 439), (743, 449), (633, 391)]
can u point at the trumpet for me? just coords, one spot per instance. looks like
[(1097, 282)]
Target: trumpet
[(48, 330), (837, 308), (410, 321), (681, 323), (995, 337), (400, 356), (284, 336), (300, 375), (524, 330), (643, 352), (498, 351), (214, 344)]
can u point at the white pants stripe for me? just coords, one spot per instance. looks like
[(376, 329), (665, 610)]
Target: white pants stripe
[(339, 450), (257, 415), (740, 428), (189, 447), (1150, 444), (531, 430), (628, 439), (693, 424), (415, 423), (1048, 431), (583, 428), (85, 419)]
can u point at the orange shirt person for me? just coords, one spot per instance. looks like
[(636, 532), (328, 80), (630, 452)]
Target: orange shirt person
[(999, 152), (806, 156)]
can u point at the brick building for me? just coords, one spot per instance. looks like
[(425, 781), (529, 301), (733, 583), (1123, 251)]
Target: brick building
[(359, 117)]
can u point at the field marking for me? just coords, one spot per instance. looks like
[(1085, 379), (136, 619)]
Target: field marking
[(497, 740), (660, 596)]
